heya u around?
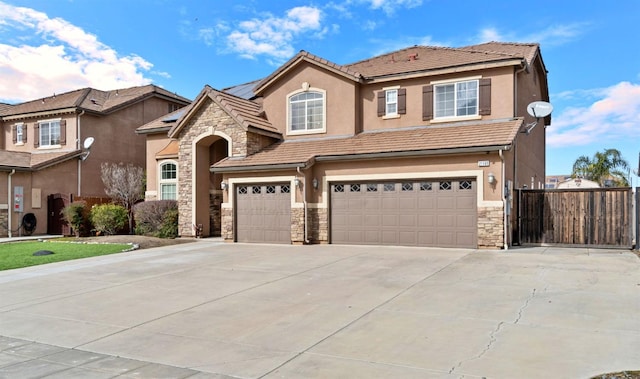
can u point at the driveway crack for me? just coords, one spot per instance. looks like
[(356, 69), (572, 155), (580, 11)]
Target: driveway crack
[(493, 336)]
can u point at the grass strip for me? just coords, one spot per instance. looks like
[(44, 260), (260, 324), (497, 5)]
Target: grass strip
[(20, 254)]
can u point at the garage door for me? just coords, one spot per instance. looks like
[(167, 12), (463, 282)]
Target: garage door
[(440, 213), (263, 213)]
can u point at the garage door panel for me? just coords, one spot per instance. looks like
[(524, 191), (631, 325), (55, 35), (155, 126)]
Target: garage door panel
[(424, 213), (263, 213)]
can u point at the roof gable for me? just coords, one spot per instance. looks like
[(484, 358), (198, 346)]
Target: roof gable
[(306, 57), (246, 113)]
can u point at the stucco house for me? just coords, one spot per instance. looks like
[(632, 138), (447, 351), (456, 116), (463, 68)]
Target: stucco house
[(42, 156), (420, 147)]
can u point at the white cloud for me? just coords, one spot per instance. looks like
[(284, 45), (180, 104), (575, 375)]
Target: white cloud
[(553, 35), (389, 6), (614, 116), (273, 36), (66, 58)]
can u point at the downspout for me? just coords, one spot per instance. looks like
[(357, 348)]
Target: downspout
[(304, 201), (504, 203), (78, 146), (515, 114), (9, 202)]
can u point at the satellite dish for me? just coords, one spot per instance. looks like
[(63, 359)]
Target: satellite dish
[(88, 142), (539, 109)]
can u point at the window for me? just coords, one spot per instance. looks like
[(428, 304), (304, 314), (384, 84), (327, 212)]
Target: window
[(307, 111), (456, 99), (392, 102), (19, 135), (168, 181), (49, 133)]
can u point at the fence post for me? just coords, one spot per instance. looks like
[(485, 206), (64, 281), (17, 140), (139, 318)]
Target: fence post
[(637, 217)]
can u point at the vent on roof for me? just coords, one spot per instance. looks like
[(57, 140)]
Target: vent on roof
[(413, 57), (94, 101)]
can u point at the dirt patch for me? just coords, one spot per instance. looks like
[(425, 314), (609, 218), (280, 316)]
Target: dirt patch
[(144, 242)]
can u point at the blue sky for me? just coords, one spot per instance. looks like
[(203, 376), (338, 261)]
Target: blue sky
[(590, 48)]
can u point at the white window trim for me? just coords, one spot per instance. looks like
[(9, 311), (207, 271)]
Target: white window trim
[(324, 112), (388, 116), (455, 118), (19, 126), (167, 181), (45, 147)]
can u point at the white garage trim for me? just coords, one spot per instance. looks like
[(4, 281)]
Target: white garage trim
[(261, 180)]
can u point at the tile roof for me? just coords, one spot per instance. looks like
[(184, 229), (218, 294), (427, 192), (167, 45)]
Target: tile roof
[(163, 123), (425, 58), (4, 108), (25, 161), (248, 114), (525, 50), (92, 100), (441, 138)]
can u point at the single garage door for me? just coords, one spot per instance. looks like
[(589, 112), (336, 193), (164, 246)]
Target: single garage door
[(441, 213), (263, 213)]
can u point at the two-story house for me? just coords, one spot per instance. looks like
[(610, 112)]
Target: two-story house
[(420, 147), (43, 159)]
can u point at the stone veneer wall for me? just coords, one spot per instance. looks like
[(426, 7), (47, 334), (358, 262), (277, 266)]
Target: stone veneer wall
[(208, 119), (227, 224), (491, 227), (318, 225), (4, 222), (215, 219), (297, 225)]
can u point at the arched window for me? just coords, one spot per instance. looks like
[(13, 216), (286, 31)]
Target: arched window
[(307, 111), (168, 180)]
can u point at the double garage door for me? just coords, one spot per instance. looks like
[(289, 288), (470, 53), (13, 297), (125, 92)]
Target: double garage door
[(440, 213)]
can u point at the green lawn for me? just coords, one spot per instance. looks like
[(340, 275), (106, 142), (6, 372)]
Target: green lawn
[(20, 254)]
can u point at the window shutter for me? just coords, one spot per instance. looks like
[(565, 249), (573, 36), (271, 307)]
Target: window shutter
[(382, 103), (402, 101), (63, 132), (24, 133), (36, 135), (485, 97), (427, 102), (15, 134)]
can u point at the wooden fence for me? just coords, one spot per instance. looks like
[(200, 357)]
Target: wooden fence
[(598, 217)]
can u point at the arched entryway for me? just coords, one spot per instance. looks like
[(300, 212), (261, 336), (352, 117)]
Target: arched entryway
[(206, 190)]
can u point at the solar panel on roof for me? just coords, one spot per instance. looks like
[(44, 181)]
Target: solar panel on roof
[(174, 116)]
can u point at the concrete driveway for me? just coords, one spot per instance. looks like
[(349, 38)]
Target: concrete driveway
[(214, 310)]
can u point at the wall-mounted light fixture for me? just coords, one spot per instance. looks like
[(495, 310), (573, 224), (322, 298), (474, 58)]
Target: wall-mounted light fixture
[(491, 178), (224, 186), (314, 182), (296, 182)]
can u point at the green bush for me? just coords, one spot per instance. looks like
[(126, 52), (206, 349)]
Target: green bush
[(158, 218), (108, 218), (76, 214)]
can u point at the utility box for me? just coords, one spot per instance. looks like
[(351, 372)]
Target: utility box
[(18, 199)]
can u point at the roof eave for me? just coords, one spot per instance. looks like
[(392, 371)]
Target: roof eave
[(161, 129), (447, 70), (51, 112)]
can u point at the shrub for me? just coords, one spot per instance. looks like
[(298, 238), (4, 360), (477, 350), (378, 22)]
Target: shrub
[(158, 218), (108, 218), (76, 214)]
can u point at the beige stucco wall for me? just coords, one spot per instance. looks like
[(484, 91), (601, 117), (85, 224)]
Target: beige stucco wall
[(341, 97), (501, 106)]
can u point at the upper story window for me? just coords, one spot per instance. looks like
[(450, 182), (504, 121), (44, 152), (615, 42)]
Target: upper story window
[(465, 99), (306, 111), (50, 133), (392, 102), (19, 133), (168, 181), (456, 99)]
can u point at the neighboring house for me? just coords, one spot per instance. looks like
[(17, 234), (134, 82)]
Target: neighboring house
[(419, 147), (578, 183), (552, 181), (41, 154)]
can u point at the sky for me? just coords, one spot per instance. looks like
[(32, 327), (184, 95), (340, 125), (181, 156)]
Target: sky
[(591, 49)]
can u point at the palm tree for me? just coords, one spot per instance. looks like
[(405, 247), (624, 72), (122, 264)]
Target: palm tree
[(607, 165)]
